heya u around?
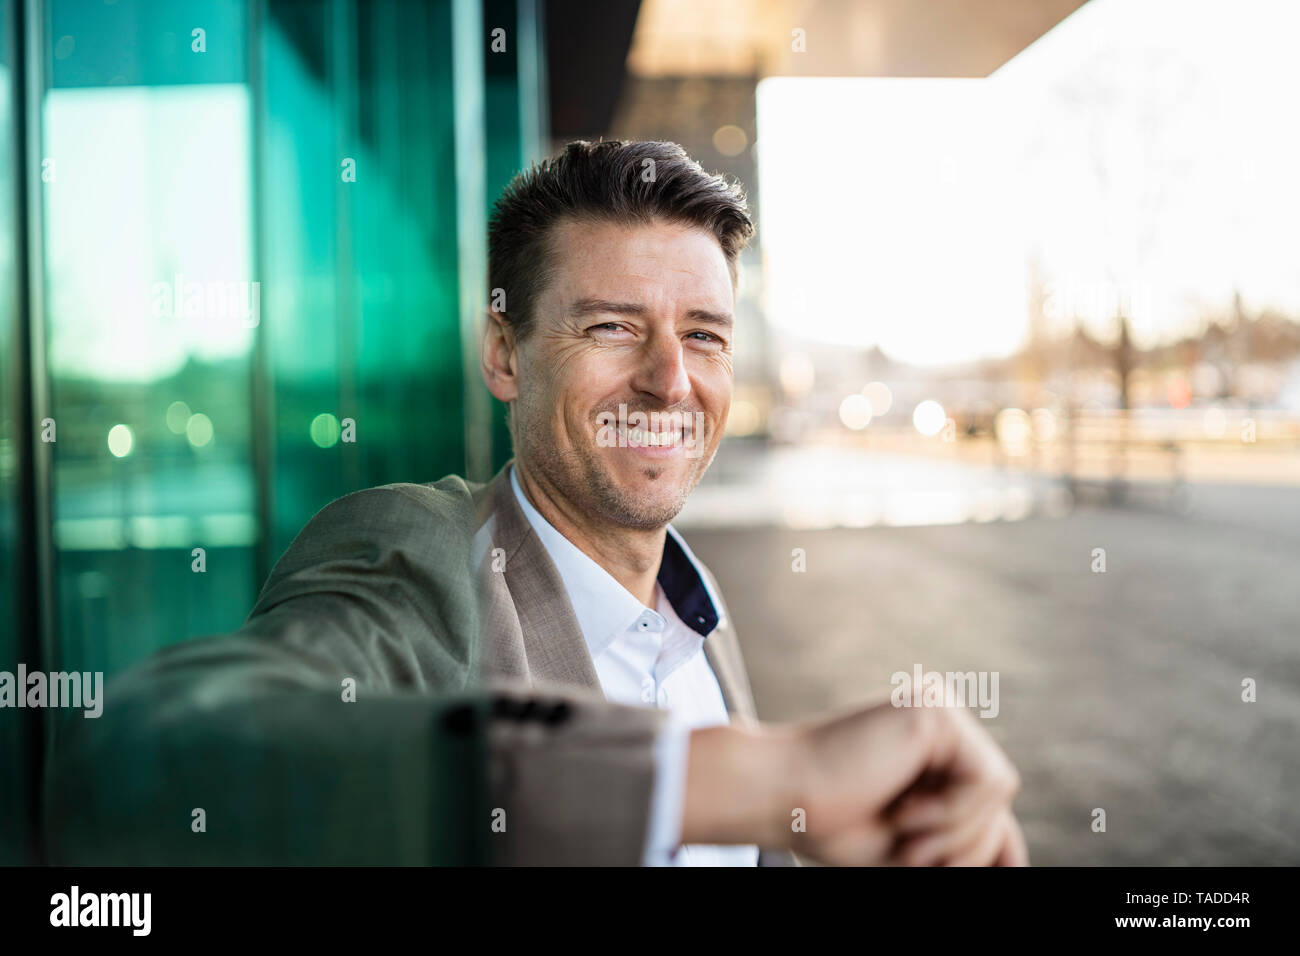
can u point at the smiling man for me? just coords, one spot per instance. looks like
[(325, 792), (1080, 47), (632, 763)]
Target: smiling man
[(617, 264), (634, 333), (612, 272), (552, 615)]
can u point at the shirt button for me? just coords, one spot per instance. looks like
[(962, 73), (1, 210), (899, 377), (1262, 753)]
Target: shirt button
[(648, 690)]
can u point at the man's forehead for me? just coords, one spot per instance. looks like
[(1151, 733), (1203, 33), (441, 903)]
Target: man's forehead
[(617, 262)]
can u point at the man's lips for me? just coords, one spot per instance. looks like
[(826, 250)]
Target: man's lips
[(652, 434), (650, 444)]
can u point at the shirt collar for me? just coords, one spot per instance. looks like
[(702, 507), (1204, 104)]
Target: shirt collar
[(604, 607)]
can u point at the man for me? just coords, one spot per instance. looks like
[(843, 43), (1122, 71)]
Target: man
[(611, 336), (621, 727), (618, 266)]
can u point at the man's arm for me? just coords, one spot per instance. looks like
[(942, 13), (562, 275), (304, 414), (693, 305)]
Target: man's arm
[(250, 749), (283, 771), (226, 750), (332, 726)]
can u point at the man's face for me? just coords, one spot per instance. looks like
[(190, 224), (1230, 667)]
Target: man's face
[(639, 316)]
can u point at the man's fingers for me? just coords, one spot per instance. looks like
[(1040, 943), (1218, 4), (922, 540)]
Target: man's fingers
[(1015, 851), (933, 783), (971, 770), (931, 848), (948, 809), (957, 815), (921, 811), (987, 846)]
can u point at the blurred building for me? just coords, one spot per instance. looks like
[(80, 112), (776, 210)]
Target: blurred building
[(693, 73)]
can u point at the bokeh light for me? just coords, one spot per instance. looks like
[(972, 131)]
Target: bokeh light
[(178, 415), (199, 430), (325, 430), (880, 397), (855, 412), (929, 417), (120, 441)]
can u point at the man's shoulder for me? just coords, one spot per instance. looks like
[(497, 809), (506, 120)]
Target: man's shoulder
[(385, 516), (447, 495), (416, 527), (450, 496)]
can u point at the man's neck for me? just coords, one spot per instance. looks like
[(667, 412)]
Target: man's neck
[(631, 556)]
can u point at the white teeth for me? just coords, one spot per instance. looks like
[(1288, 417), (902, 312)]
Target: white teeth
[(649, 439)]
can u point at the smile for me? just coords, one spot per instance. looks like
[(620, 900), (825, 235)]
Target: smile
[(644, 438)]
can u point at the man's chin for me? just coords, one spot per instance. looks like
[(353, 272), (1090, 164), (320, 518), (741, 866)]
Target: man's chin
[(643, 517), (646, 503)]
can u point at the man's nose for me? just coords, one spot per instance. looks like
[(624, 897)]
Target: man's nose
[(661, 370)]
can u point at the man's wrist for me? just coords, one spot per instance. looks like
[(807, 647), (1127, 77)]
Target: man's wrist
[(743, 785)]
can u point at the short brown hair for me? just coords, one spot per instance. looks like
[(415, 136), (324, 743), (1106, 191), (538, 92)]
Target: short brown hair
[(603, 181)]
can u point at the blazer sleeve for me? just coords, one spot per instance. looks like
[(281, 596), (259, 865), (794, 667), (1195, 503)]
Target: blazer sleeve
[(218, 752), (579, 795), (331, 728)]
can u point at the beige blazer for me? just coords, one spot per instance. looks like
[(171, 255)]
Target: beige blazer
[(530, 630)]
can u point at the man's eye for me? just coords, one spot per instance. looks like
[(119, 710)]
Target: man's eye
[(607, 325), (708, 337)]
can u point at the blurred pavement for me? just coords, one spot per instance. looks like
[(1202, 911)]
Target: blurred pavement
[(1120, 690)]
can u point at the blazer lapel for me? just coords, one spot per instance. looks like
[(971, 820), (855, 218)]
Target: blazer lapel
[(725, 684), (723, 653), (543, 630), (552, 639)]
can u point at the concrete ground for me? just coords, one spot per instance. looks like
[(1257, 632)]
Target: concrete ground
[(1118, 690)]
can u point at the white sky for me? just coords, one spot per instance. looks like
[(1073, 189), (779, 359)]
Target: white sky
[(1143, 151)]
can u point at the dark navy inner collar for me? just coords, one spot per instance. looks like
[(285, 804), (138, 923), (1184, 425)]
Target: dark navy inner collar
[(684, 587)]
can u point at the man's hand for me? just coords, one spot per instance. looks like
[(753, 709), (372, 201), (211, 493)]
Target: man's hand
[(882, 785)]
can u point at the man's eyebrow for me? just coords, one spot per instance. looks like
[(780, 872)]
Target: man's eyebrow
[(592, 306), (711, 318)]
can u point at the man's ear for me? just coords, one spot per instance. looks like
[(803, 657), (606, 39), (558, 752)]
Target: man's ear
[(498, 358)]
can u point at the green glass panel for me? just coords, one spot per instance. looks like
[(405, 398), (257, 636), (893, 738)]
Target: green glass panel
[(260, 233), (15, 824), (150, 320), (360, 251)]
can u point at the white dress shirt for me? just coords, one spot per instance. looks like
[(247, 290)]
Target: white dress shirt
[(651, 658)]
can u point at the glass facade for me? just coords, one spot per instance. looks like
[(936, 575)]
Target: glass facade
[(241, 257), (16, 626)]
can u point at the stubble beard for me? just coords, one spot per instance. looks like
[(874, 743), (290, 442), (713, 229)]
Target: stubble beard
[(582, 479)]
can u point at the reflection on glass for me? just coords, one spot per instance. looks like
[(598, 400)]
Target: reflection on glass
[(148, 257), (13, 809)]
